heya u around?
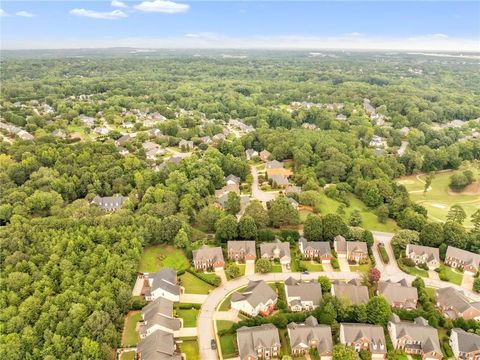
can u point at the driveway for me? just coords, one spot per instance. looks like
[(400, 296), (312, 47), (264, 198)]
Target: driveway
[(467, 282), (193, 298), (327, 267), (230, 315), (220, 272), (344, 267), (257, 193), (432, 274), (186, 332), (249, 268)]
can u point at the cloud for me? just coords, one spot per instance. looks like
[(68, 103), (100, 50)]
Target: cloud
[(112, 15), (24, 14), (162, 6), (204, 35), (3, 13), (118, 3)]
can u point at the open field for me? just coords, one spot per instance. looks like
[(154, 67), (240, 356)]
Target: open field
[(156, 257), (131, 337), (439, 198), (194, 285)]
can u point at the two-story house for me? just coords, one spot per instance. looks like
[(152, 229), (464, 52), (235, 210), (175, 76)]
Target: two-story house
[(302, 296), (258, 298), (454, 304), (158, 315), (463, 259), (351, 250), (465, 345), (398, 294), (207, 258), (352, 292), (158, 345), (310, 335), (276, 250), (423, 255), (364, 337), (162, 283), (258, 342), (243, 251), (315, 250)]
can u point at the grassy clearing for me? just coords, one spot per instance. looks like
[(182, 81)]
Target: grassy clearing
[(131, 337), (130, 355), (156, 257), (415, 271), (313, 267), (451, 275), (284, 342), (276, 268), (361, 268), (228, 343), (190, 348), (431, 293), (194, 285), (189, 316), (225, 305)]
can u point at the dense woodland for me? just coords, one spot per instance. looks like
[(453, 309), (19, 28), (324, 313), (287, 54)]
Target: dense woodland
[(67, 268)]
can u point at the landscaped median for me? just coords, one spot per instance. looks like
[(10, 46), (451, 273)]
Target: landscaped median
[(383, 253)]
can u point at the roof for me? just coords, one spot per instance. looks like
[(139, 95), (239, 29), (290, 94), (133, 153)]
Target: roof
[(303, 334), (360, 246), (430, 252), (322, 246), (159, 345), (212, 254), (278, 171), (275, 249), (418, 330), (109, 202), (374, 333), (397, 292), (467, 257), (293, 189), (306, 291), (341, 243), (165, 279), (248, 247), (159, 312), (356, 294), (467, 342), (233, 178), (251, 338), (279, 179), (274, 164), (256, 292), (450, 297)]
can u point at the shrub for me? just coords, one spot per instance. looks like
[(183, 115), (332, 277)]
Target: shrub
[(265, 235), (216, 281), (263, 266), (383, 253), (408, 262), (138, 303), (334, 263)]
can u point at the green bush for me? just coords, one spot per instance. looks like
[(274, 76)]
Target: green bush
[(335, 263), (383, 254), (215, 282), (138, 303), (265, 235)]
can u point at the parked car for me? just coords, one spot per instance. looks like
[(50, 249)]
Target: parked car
[(305, 272), (213, 344)]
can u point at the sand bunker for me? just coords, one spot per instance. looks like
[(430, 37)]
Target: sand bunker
[(406, 182), (439, 206)]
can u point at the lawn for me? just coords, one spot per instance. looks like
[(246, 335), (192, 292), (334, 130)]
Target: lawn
[(415, 271), (131, 337), (432, 293), (190, 348), (225, 305), (156, 257), (228, 343), (189, 316), (130, 355), (313, 267), (194, 285), (286, 350), (361, 268), (452, 275), (276, 268)]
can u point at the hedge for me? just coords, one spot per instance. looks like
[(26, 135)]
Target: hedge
[(216, 282), (383, 253)]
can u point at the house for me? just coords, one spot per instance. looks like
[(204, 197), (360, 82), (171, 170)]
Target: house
[(279, 180), (219, 137), (258, 342), (127, 125), (122, 151), (351, 292), (154, 133), (398, 294), (302, 296), (158, 315), (276, 250), (351, 250), (250, 154), (463, 259), (315, 250), (274, 164), (341, 117), (160, 345), (109, 203), (454, 304), (369, 109), (264, 155), (205, 140), (185, 144), (225, 190), (404, 131), (101, 130), (163, 284), (423, 255), (87, 121), (257, 298), (124, 139), (310, 335), (293, 189), (207, 258), (154, 153), (232, 179), (377, 142), (239, 250), (465, 345), (415, 338), (364, 337), (293, 202)]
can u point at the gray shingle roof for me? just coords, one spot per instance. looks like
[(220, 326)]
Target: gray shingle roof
[(355, 294), (355, 332), (275, 249), (159, 345), (165, 279), (467, 257), (398, 292), (451, 297), (159, 312), (467, 342), (256, 292), (322, 246), (208, 253), (251, 338), (306, 291), (274, 164), (430, 252), (109, 202), (311, 331), (247, 247), (418, 330)]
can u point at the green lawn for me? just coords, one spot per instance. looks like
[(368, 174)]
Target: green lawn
[(225, 305), (432, 293), (131, 337), (276, 268), (189, 316), (286, 350), (194, 285), (361, 268), (190, 348), (415, 271), (156, 257), (453, 276), (130, 355), (313, 267), (228, 343)]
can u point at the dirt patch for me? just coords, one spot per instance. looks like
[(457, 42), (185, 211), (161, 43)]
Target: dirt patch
[(472, 189)]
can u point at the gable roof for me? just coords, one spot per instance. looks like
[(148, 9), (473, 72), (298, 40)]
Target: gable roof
[(274, 164), (303, 334), (467, 257), (275, 249), (159, 312), (418, 330), (359, 246), (398, 292), (251, 338), (165, 279), (322, 246), (467, 342), (109, 202), (354, 293), (248, 247), (256, 292), (430, 252), (159, 345), (212, 254), (374, 333), (306, 291)]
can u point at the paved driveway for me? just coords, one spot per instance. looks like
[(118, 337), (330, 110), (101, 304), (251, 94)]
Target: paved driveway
[(249, 268), (186, 332), (327, 267), (193, 298), (257, 193), (344, 267), (467, 282), (220, 272), (432, 274)]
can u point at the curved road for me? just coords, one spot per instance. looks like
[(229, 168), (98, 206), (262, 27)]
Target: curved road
[(258, 193)]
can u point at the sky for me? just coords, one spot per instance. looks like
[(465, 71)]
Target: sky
[(384, 25)]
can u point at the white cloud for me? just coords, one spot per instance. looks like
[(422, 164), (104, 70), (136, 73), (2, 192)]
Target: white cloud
[(3, 13), (204, 35), (24, 14), (112, 15), (162, 6), (118, 3)]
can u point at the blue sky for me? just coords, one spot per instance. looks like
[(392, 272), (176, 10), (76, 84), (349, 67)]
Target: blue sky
[(242, 24)]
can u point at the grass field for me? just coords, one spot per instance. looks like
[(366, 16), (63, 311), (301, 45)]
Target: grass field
[(194, 285), (130, 355), (228, 343), (452, 275), (190, 348), (311, 266), (286, 350), (189, 316), (156, 257), (276, 268), (361, 268), (131, 337), (415, 271), (438, 198)]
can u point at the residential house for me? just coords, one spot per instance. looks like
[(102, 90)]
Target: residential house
[(377, 142), (258, 342), (128, 125), (423, 255), (279, 180), (87, 121), (454, 304), (154, 153), (205, 140), (302, 296), (292, 201), (274, 164), (352, 292), (398, 294), (154, 133), (264, 155), (160, 345), (185, 144), (109, 203), (101, 130), (315, 250), (276, 250), (415, 338), (240, 250), (364, 337), (465, 345), (207, 258), (369, 108), (122, 151), (463, 259), (351, 250), (293, 189), (123, 140), (163, 284), (232, 180), (250, 154), (404, 131), (258, 298), (158, 315), (310, 335), (219, 137)]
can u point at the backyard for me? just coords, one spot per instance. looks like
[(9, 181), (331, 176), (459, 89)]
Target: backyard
[(129, 355), (448, 274), (190, 348), (228, 343), (156, 257), (189, 316), (311, 266), (194, 285), (130, 335)]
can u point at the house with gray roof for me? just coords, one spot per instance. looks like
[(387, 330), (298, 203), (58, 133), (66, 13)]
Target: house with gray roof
[(264, 155), (310, 335), (315, 250), (279, 180), (415, 338), (123, 140), (276, 250), (154, 133), (454, 304), (232, 180), (258, 342), (158, 315), (274, 164), (207, 258), (351, 250), (398, 294), (302, 295), (293, 189), (160, 345), (109, 203), (185, 144), (463, 259), (163, 284), (257, 298), (465, 345), (423, 255), (241, 250), (350, 292), (250, 154), (364, 337)]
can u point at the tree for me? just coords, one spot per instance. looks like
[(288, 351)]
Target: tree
[(455, 235), (263, 266), (333, 225), (355, 218), (325, 284), (226, 228), (374, 275), (232, 271), (281, 212), (476, 285), (378, 310), (232, 205), (365, 355), (181, 239), (401, 239), (208, 216), (382, 213), (476, 221), (428, 182), (459, 181), (341, 352), (410, 219), (313, 228), (431, 235), (258, 213), (456, 214), (247, 229)]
